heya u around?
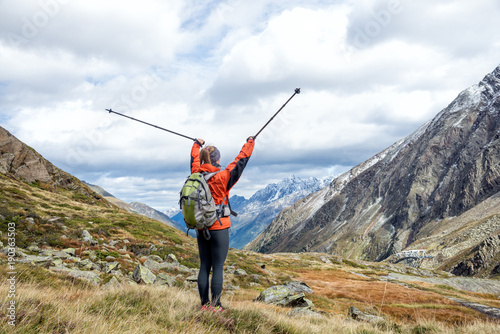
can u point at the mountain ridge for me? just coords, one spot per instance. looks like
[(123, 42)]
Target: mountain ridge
[(442, 170), (255, 213)]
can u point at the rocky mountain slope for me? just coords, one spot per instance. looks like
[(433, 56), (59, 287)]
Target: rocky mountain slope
[(150, 212), (24, 163), (437, 189), (256, 213), (136, 207)]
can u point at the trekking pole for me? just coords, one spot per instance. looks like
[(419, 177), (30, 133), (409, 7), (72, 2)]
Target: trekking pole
[(155, 126), (297, 91)]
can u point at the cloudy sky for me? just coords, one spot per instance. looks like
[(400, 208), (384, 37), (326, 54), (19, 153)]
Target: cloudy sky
[(371, 72)]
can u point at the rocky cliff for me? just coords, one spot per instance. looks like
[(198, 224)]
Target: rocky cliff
[(421, 191), (24, 163)]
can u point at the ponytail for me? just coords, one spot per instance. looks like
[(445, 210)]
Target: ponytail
[(205, 155)]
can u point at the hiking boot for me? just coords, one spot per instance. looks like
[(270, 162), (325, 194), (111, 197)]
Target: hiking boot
[(206, 307), (217, 309)]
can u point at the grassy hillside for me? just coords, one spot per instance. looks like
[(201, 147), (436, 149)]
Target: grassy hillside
[(51, 302)]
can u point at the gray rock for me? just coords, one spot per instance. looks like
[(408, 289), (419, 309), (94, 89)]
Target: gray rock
[(113, 242), (34, 248), (110, 266), (87, 237), (143, 275), (357, 315), (165, 279), (85, 275), (113, 283), (35, 260), (298, 287), (493, 312), (171, 258), (291, 294), (155, 258), (61, 255), (20, 253), (303, 312), (47, 252), (56, 262), (154, 265), (93, 255), (70, 251), (240, 272), (86, 264), (192, 278)]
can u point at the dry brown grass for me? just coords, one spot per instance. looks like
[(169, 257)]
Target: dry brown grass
[(151, 309), (400, 303)]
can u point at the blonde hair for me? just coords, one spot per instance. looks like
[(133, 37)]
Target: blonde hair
[(205, 155)]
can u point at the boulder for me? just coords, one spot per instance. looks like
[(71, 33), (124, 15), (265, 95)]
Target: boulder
[(34, 248), (93, 255), (35, 260), (240, 272), (87, 237), (192, 279), (303, 312), (86, 264), (172, 259), (357, 315), (107, 267), (143, 275), (85, 275), (155, 265), (113, 283), (155, 258), (70, 251), (165, 279), (291, 294)]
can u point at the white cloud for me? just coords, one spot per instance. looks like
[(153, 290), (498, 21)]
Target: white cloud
[(371, 72)]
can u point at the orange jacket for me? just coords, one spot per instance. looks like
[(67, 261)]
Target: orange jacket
[(222, 182)]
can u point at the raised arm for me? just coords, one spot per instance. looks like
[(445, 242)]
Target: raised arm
[(195, 155), (235, 168)]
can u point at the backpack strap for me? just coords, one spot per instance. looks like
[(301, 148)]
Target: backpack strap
[(229, 205), (208, 175)]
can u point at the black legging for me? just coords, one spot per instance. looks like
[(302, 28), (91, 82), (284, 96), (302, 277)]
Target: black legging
[(213, 254)]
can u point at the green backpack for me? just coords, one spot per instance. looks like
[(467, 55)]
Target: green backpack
[(196, 202)]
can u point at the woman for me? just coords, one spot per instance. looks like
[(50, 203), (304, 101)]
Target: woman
[(213, 250)]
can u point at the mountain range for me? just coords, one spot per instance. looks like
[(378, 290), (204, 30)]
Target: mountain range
[(437, 189), (257, 212)]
